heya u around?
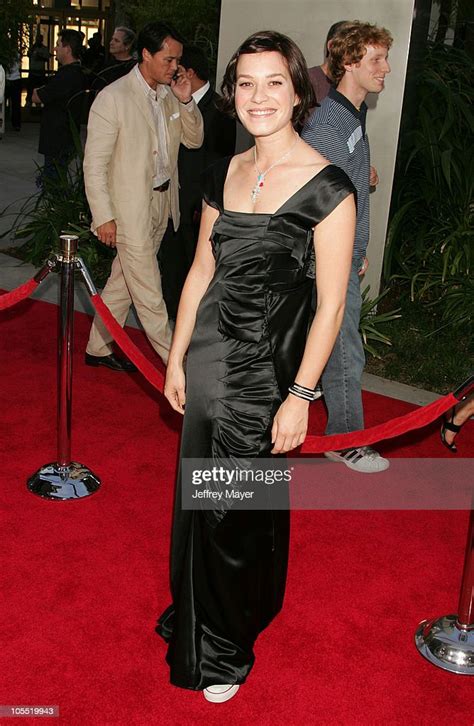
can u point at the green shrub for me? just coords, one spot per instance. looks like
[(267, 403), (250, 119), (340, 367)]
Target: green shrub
[(431, 231), (60, 208), (372, 324)]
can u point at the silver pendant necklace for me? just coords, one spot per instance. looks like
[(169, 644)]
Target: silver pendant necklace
[(262, 174)]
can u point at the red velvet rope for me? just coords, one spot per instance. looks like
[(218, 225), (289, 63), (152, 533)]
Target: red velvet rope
[(8, 299), (152, 375), (313, 444), (395, 427)]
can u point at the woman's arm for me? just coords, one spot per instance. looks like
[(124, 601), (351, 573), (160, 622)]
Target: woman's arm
[(333, 244), (196, 284)]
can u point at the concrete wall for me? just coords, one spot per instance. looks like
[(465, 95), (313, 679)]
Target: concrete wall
[(307, 22)]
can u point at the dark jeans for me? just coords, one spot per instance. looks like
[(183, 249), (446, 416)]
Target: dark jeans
[(341, 378)]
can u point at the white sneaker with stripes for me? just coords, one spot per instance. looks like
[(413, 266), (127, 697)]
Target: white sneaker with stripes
[(363, 459)]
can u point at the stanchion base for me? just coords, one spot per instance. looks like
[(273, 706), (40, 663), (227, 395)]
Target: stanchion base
[(445, 645), (53, 481)]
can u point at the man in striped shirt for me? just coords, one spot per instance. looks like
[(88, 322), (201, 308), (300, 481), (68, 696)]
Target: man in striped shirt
[(358, 64)]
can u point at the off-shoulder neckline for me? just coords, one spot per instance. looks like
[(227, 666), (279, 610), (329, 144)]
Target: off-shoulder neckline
[(282, 206)]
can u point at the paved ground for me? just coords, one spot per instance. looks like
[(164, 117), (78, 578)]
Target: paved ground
[(18, 167), (18, 163)]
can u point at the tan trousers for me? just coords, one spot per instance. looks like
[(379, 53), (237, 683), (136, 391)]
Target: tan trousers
[(135, 278)]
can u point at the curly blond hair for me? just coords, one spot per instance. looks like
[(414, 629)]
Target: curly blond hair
[(349, 45)]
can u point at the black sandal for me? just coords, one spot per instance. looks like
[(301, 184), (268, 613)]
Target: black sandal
[(448, 425)]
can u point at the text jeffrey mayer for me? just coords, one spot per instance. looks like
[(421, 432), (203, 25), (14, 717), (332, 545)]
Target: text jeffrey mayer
[(226, 494)]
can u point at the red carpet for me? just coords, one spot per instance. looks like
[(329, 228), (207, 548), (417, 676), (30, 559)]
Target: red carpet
[(83, 581)]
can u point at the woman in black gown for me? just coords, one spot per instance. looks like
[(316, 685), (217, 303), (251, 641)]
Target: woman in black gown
[(268, 215)]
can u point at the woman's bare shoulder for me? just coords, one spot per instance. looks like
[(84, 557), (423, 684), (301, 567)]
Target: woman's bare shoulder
[(313, 157), (240, 162)]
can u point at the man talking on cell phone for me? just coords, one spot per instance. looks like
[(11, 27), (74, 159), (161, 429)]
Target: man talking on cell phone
[(136, 125)]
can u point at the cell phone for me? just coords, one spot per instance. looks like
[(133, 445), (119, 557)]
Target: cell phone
[(176, 76)]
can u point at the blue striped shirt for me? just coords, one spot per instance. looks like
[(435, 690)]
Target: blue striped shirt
[(337, 130)]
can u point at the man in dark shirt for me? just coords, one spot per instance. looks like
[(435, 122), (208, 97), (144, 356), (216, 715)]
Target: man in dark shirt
[(62, 101), (178, 248), (122, 59), (39, 56), (93, 57)]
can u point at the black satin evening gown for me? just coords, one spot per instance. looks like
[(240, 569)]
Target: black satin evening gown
[(228, 569)]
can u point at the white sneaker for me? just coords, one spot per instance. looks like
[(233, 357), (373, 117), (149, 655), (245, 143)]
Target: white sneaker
[(363, 459), (220, 693)]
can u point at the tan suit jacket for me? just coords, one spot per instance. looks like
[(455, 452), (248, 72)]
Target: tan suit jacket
[(119, 160)]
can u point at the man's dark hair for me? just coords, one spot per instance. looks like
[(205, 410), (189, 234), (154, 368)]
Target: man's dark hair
[(195, 58), (261, 42), (73, 39), (332, 32), (152, 37)]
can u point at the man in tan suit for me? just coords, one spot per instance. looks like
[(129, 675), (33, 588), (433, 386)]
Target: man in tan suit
[(131, 177)]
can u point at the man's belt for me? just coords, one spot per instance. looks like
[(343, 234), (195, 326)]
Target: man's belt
[(163, 188)]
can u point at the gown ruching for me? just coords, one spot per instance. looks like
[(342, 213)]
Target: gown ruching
[(228, 568)]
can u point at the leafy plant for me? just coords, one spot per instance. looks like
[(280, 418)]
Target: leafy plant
[(14, 18), (60, 208), (456, 303), (371, 320), (425, 352), (431, 230)]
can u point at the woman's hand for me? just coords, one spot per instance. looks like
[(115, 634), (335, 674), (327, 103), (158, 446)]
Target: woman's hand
[(290, 424), (174, 389)]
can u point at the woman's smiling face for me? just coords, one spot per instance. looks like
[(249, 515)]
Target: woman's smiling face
[(264, 93)]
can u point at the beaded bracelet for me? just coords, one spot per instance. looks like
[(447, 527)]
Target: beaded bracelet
[(308, 394)]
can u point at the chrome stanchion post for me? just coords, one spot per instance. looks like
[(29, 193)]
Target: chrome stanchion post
[(448, 642), (65, 336), (87, 278), (465, 619), (65, 479)]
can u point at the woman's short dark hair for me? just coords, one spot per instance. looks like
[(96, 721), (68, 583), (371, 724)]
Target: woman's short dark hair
[(152, 37), (261, 42)]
